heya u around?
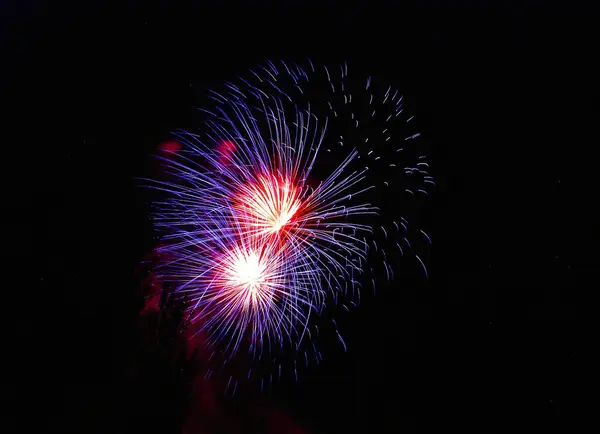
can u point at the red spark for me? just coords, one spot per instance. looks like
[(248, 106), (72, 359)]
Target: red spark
[(225, 150), (269, 206), (170, 146)]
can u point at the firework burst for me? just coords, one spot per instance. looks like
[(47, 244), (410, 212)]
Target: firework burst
[(267, 212)]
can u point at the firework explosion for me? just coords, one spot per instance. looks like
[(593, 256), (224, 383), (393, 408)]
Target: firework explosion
[(267, 212)]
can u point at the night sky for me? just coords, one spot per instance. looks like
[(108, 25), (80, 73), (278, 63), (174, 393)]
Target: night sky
[(492, 342)]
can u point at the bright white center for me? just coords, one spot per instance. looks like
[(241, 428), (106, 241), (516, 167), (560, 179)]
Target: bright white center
[(248, 272)]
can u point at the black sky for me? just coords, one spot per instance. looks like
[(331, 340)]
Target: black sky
[(506, 96)]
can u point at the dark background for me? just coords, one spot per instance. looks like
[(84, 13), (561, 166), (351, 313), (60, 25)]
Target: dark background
[(492, 343)]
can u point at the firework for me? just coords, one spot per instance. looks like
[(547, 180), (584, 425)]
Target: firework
[(267, 211)]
